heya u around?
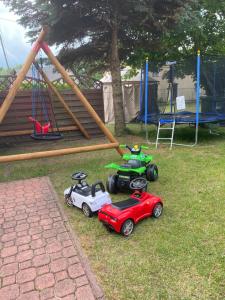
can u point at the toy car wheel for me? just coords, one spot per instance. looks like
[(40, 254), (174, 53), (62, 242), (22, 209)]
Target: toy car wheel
[(157, 210), (111, 184), (127, 228), (109, 229), (152, 173), (87, 211), (68, 200)]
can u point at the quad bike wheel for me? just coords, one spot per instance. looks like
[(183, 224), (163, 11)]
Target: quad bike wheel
[(127, 228), (157, 210), (87, 211), (152, 173), (111, 184), (68, 200)]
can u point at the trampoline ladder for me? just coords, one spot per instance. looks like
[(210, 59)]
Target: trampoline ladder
[(172, 128)]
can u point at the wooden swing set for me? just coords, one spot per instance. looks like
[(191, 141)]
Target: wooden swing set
[(41, 44)]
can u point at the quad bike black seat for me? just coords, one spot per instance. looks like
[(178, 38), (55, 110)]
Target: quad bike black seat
[(132, 164)]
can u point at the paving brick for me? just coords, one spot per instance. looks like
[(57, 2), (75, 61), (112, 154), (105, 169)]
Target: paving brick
[(44, 281), (58, 265), (23, 247), (69, 297), (9, 260), (75, 270), (26, 275), (11, 224), (34, 295), (69, 251), (46, 294), (24, 255), (43, 270), (84, 293), (8, 280), (9, 269), (9, 244), (41, 260), (67, 243), (61, 275), (20, 216), (46, 221), (56, 255), (39, 251), (8, 251), (9, 292), (25, 264), (34, 218), (27, 287), (65, 287), (21, 227), (22, 233), (73, 260), (81, 281), (8, 237), (49, 233), (39, 243), (54, 247), (23, 240), (9, 214), (36, 236)]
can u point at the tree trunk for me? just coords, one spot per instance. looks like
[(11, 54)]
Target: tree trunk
[(117, 84)]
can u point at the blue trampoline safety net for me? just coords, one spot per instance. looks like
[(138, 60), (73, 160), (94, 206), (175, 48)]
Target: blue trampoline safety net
[(171, 91)]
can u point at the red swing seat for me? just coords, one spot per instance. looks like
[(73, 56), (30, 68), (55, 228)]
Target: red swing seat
[(40, 129)]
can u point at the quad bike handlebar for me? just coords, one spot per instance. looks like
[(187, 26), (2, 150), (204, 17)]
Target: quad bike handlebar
[(93, 187), (130, 148)]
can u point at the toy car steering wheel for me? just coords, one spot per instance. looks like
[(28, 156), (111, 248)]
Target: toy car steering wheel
[(138, 184), (79, 176)]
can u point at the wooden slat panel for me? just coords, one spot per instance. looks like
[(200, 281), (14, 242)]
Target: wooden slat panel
[(16, 118)]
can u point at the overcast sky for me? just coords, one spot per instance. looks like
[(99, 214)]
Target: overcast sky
[(13, 35)]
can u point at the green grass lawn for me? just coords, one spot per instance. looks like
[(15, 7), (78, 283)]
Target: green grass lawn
[(178, 256)]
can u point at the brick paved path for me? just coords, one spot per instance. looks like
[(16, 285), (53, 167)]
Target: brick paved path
[(40, 257)]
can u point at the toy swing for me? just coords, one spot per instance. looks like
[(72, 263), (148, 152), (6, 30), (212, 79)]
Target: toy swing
[(41, 110)]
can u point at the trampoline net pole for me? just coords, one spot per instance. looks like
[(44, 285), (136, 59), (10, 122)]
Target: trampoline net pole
[(197, 95)]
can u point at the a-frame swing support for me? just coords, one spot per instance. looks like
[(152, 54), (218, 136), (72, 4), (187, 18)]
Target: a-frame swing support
[(14, 88)]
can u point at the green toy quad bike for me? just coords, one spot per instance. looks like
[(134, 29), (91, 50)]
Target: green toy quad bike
[(137, 164)]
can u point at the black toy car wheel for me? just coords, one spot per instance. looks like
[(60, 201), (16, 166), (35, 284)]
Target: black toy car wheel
[(157, 210), (152, 173), (87, 211), (127, 228), (68, 200), (109, 229), (111, 184)]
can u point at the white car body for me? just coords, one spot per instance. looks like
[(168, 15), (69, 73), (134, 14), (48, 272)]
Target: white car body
[(95, 203)]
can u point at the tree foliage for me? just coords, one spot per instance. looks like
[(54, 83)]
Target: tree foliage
[(106, 32)]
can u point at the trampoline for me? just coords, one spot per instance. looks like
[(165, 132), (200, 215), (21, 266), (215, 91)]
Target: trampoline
[(200, 82)]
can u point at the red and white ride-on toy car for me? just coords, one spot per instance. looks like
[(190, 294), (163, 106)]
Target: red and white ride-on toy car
[(122, 216), (89, 198)]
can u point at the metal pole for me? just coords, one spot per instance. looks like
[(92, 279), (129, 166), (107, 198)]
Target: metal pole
[(141, 91), (146, 91), (197, 95)]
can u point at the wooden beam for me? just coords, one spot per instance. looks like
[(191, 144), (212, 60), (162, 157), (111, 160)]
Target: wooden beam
[(52, 153), (61, 99), (20, 77), (29, 131), (80, 95)]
